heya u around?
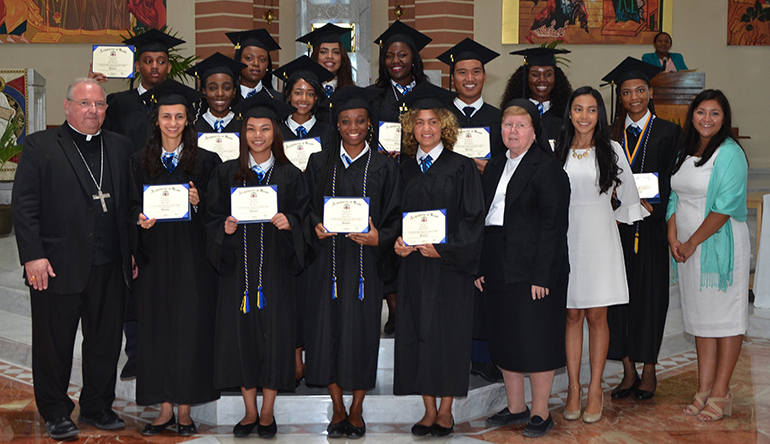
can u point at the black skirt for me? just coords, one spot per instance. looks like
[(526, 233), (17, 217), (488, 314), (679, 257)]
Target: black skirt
[(524, 335)]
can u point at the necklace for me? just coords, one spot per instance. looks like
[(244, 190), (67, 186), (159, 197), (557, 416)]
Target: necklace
[(98, 196), (582, 155)]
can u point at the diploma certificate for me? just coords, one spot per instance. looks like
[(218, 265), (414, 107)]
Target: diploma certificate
[(254, 204), (167, 203), (114, 61), (227, 145), (647, 185), (299, 151), (424, 227), (473, 142), (346, 214), (390, 136)]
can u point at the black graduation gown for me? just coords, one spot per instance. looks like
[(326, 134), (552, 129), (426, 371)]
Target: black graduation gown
[(551, 124), (343, 335), (203, 127), (256, 349), (489, 116), (176, 290), (636, 328), (128, 115), (324, 131), (435, 296)]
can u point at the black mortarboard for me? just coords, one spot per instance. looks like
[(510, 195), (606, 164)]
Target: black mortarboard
[(534, 115), (153, 41), (540, 56), (216, 63), (328, 33), (171, 92), (401, 32), (352, 97), (303, 67), (428, 96), (262, 105), (632, 68), (468, 49), (253, 37)]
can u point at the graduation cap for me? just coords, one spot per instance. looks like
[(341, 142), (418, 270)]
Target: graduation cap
[(253, 37), (303, 67), (401, 32), (171, 92), (261, 105), (540, 56), (631, 68), (428, 96), (352, 97), (328, 33), (468, 49), (153, 41), (217, 63)]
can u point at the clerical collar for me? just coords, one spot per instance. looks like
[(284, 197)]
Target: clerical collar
[(294, 125), (477, 104), (177, 152), (434, 153), (345, 153), (141, 89), (211, 119), (639, 123), (264, 165), (87, 136), (332, 83), (546, 105), (245, 90)]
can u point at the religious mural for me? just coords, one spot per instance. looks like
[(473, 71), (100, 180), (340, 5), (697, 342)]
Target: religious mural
[(76, 21), (585, 21), (748, 22)]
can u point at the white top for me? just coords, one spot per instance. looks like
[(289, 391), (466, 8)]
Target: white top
[(177, 152), (344, 153), (639, 123), (434, 153), (264, 165), (294, 125), (211, 119), (245, 90), (477, 104), (546, 104), (496, 214)]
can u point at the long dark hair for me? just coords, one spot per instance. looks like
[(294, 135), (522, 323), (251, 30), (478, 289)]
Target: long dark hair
[(619, 124), (418, 70), (519, 82), (267, 79), (320, 94), (606, 158), (151, 163), (691, 141), (345, 73), (244, 171)]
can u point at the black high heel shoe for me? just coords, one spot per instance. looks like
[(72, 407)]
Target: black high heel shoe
[(620, 393), (152, 430)]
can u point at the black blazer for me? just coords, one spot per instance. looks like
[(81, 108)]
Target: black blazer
[(536, 217), (53, 209)]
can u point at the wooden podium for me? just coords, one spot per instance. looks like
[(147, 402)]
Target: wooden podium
[(674, 91)]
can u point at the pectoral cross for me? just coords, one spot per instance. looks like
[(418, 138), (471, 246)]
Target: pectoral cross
[(102, 197)]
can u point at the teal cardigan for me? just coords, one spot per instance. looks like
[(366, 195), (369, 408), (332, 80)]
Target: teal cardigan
[(726, 194), (652, 59)]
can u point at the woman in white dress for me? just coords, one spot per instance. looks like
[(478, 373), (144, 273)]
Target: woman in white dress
[(597, 169), (708, 237)]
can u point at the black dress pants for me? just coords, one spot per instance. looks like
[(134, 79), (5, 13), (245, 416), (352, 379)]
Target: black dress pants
[(99, 307)]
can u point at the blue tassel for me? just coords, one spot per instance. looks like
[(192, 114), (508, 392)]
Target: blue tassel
[(245, 308), (261, 299), (334, 288), (360, 289)]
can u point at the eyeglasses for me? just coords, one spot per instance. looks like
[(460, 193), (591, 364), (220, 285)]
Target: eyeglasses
[(88, 104), (517, 126)]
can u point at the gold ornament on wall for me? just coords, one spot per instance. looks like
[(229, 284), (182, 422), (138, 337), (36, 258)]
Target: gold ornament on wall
[(398, 12), (268, 15)]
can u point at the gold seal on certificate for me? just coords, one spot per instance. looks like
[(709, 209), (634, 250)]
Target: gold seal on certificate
[(167, 203), (299, 151), (424, 227), (227, 145), (390, 136), (346, 214), (114, 61), (254, 204), (473, 142), (647, 185)]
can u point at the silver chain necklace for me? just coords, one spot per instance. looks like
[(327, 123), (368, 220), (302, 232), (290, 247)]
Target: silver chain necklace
[(98, 196)]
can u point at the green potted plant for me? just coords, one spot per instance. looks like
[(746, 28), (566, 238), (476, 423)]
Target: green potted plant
[(8, 149)]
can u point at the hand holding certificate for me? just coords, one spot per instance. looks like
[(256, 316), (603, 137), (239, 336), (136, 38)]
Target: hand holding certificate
[(254, 204), (346, 214), (167, 203), (298, 151), (473, 143), (424, 227), (227, 145), (113, 61)]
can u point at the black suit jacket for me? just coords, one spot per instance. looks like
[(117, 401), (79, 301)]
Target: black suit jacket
[(536, 217), (130, 116), (53, 210)]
